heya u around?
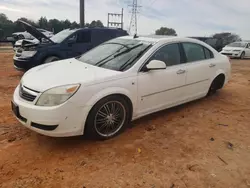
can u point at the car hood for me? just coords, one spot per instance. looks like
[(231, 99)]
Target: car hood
[(228, 48), (34, 32), (26, 41), (65, 72)]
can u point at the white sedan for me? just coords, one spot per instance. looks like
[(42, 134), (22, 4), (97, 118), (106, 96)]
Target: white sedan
[(100, 92), (237, 50)]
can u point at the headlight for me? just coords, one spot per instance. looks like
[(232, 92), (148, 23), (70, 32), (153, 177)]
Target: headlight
[(236, 50), (28, 53), (57, 95)]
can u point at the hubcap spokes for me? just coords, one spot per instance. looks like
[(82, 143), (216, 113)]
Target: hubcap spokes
[(110, 118)]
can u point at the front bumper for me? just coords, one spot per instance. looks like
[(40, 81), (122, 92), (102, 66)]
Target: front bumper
[(23, 64), (232, 54), (64, 120)]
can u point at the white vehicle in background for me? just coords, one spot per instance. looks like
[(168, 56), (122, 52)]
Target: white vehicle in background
[(25, 37), (237, 50), (101, 91)]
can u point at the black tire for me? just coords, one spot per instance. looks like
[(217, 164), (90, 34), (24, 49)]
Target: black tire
[(51, 59), (242, 56), (217, 84), (94, 126)]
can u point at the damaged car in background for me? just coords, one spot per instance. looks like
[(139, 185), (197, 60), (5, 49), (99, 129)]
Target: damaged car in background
[(65, 44)]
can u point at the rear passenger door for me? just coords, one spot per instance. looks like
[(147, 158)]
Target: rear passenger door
[(200, 69)]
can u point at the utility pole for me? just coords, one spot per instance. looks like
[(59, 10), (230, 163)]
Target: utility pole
[(133, 21), (115, 20), (82, 13)]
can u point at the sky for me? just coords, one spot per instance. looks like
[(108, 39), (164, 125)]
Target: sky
[(187, 17)]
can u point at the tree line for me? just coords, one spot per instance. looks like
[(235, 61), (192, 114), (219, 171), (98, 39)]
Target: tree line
[(7, 27), (226, 37)]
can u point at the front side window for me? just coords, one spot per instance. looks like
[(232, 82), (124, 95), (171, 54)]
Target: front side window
[(117, 54), (169, 54), (194, 52)]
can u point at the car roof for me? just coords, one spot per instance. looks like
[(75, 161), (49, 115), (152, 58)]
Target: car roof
[(97, 28), (159, 38)]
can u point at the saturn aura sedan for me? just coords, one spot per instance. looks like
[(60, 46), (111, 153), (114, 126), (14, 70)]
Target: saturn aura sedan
[(98, 93)]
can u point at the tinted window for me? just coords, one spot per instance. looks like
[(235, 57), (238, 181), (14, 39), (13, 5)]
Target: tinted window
[(169, 54), (194, 52), (84, 37), (208, 53)]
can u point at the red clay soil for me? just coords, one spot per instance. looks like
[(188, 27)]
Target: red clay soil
[(205, 143)]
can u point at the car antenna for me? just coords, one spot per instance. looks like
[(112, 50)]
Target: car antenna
[(135, 36)]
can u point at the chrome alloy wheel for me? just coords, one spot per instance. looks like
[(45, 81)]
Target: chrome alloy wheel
[(110, 118)]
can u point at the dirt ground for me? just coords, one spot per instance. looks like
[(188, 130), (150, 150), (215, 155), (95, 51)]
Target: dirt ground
[(205, 143)]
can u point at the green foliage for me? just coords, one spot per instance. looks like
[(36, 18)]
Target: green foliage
[(94, 23), (166, 31), (227, 37), (8, 27)]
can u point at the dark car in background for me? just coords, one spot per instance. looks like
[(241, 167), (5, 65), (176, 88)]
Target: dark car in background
[(65, 44), (217, 44)]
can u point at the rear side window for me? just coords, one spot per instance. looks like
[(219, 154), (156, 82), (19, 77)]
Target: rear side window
[(194, 52), (208, 53), (84, 37)]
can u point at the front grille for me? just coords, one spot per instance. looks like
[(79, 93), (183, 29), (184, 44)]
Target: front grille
[(227, 53), (26, 95)]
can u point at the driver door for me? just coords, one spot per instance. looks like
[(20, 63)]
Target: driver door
[(159, 89)]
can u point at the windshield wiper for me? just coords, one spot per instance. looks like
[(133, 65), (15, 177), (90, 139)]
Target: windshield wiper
[(99, 62), (131, 60), (116, 55)]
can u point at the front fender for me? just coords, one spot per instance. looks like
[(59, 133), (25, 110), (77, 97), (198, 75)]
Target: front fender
[(112, 91)]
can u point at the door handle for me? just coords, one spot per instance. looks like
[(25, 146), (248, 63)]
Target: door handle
[(180, 71), (212, 65)]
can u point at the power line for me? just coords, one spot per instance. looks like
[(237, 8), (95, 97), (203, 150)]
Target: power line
[(133, 21)]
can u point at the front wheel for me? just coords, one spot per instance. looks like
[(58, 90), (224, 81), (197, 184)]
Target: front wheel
[(108, 118), (242, 56)]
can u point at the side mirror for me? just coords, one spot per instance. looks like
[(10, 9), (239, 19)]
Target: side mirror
[(156, 65)]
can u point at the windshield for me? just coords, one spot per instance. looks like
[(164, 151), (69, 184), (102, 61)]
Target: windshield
[(59, 37), (238, 44), (116, 54)]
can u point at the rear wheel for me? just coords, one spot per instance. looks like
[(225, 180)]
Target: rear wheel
[(51, 59), (108, 118), (217, 84), (242, 56)]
